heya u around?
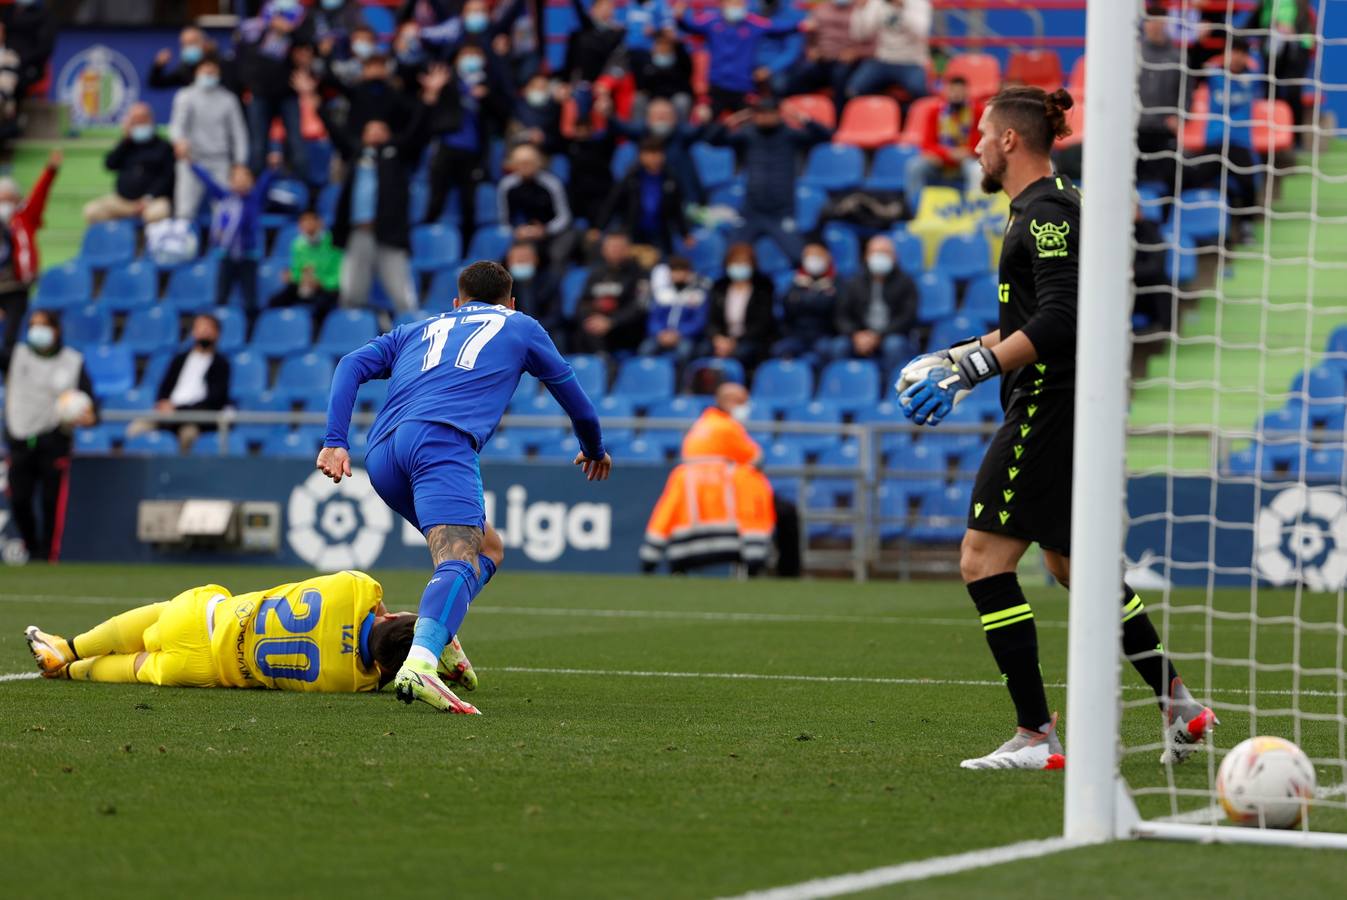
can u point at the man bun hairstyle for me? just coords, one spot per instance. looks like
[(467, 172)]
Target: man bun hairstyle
[(486, 281), (390, 640), (1036, 116)]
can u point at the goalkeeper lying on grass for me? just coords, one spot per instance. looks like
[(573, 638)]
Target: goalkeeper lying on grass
[(331, 634)]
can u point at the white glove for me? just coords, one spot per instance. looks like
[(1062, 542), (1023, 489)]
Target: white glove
[(916, 370)]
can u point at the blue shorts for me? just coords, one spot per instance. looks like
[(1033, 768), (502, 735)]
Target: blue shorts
[(428, 473)]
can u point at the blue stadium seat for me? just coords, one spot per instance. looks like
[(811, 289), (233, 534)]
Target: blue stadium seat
[(504, 448), (111, 369), (435, 247), (616, 408), (640, 451), (944, 514), (591, 373), (936, 297), (963, 257), (982, 301), (683, 410), (371, 395), (1180, 254), (524, 393), (129, 287), (61, 287), (707, 254), (108, 244), (892, 498), (286, 198), (772, 260), (809, 203), (439, 296), (818, 412), (1154, 200), (623, 158), (920, 458), (1199, 215), (834, 167), (730, 369), (829, 495), (490, 243), (134, 400), (845, 247), (560, 166), (93, 441), (150, 329), (888, 170), (537, 437), (84, 325), (156, 364), (1326, 416), (1288, 420), (247, 375), (151, 443), (233, 329), (911, 251), (949, 331), (1325, 465), (302, 443), (572, 286), (346, 329), (850, 384), (304, 378), (259, 433), (714, 165), (645, 380), (488, 209), (192, 286), (1337, 344), (285, 239), (1319, 383), (782, 383), (282, 331), (731, 195), (236, 444), (327, 202)]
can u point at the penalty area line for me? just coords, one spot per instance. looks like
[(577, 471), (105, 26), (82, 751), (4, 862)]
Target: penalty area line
[(20, 676), (917, 870)]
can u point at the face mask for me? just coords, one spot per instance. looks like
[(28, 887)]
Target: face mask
[(476, 22), (536, 98), (41, 337), (207, 81), (735, 13), (191, 54), (411, 47), (6, 211), (879, 263), (661, 129), (284, 6), (141, 133), (362, 49), (205, 343), (523, 271), (742, 413), (469, 66), (662, 60), (332, 4), (816, 265), (739, 271)]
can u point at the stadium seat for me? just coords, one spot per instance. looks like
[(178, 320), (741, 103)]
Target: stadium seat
[(1273, 127), (192, 286), (129, 286), (1288, 420), (134, 400), (845, 247), (1154, 200), (111, 369), (572, 286), (1327, 464), (150, 329), (818, 107), (1200, 215), (156, 365), (279, 332), (850, 384), (869, 123), (731, 195), (730, 369), (1328, 416), (982, 300), (888, 170), (591, 373), (504, 448), (1038, 68), (1319, 383), (982, 71), (834, 167), (809, 203), (528, 388), (259, 433), (682, 410), (828, 496), (817, 444), (61, 287), (92, 441), (911, 251), (435, 247), (108, 244), (560, 166), (151, 443), (247, 375), (772, 260), (936, 300), (919, 116), (963, 257), (371, 395), (920, 459), (782, 383), (707, 254), (610, 408), (284, 240), (303, 378), (778, 455), (302, 443), (947, 331), (490, 243), (346, 329), (623, 158), (82, 326), (487, 209), (641, 451), (537, 437), (944, 514), (892, 501), (236, 444), (1335, 351), (645, 380), (286, 198), (1180, 254), (714, 165), (326, 204), (233, 329)]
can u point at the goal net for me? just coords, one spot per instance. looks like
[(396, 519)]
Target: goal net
[(1235, 507)]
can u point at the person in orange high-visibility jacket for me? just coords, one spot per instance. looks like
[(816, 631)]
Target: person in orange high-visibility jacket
[(716, 506)]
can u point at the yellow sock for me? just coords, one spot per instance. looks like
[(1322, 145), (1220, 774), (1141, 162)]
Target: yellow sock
[(116, 669), (122, 633)]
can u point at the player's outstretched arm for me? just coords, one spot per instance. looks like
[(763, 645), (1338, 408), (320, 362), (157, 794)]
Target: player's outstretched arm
[(594, 469), (374, 360)]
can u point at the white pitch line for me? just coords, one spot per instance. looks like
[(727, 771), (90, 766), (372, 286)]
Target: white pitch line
[(20, 676), (917, 870), (1210, 815)]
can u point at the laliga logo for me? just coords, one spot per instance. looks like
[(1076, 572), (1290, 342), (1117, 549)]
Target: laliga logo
[(1302, 536), (337, 526)]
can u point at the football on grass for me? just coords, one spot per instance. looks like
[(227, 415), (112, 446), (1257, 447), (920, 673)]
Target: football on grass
[(1266, 782)]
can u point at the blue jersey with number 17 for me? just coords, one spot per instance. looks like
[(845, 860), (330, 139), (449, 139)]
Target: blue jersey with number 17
[(459, 368)]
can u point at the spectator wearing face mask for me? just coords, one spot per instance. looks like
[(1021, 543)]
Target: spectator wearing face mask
[(334, 20), (268, 49), (30, 29), (143, 162), (38, 372), (809, 309), (831, 54), (592, 44), (428, 12), (732, 37), (533, 204), (948, 145), (537, 116), (537, 290), (877, 309), (196, 380), (206, 127), (644, 21), (648, 204), (662, 123), (20, 221), (612, 311), (678, 310), (193, 46), (340, 64), (901, 30), (742, 323), (372, 96), (314, 276), (665, 72), (590, 148)]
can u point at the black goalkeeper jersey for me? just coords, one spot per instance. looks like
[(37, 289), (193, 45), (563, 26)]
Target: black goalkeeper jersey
[(1038, 274)]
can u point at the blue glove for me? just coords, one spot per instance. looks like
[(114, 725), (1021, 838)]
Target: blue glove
[(928, 402)]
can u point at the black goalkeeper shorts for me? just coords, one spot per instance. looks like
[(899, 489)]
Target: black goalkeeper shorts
[(1023, 487)]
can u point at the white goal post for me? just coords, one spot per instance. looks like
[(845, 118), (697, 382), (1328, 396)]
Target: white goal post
[(1099, 803)]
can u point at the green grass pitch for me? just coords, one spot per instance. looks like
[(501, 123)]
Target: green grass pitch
[(578, 782)]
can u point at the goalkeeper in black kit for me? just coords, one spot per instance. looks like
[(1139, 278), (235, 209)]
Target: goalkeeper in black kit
[(1023, 490)]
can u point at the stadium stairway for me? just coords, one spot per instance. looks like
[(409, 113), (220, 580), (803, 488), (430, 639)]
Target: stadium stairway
[(1254, 341), (81, 179)]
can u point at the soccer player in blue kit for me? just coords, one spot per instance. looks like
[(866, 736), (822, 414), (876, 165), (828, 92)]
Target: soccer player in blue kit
[(451, 378)]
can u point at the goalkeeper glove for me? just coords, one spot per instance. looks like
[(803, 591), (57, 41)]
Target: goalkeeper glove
[(930, 400), (915, 370)]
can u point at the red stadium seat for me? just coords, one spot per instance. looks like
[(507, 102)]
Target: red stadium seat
[(1273, 126), (1040, 68), (1075, 117), (1076, 84), (918, 119), (812, 106), (869, 123), (1195, 128), (980, 70), (701, 73)]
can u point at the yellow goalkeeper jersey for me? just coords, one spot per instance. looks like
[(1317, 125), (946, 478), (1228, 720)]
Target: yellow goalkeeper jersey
[(311, 635)]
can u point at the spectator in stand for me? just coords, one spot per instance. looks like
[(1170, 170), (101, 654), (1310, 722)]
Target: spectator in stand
[(534, 206), (10, 97), (590, 148), (374, 96), (665, 72), (809, 309), (236, 230), (340, 65), (648, 204), (20, 222), (877, 309), (1229, 146), (1163, 93), (1288, 49), (314, 276), (948, 145), (612, 311), (593, 44), (197, 380), (661, 122), (193, 46), (30, 29), (769, 152), (901, 30), (206, 127), (537, 116), (38, 373), (537, 290), (644, 21), (429, 12), (678, 310), (732, 36), (269, 50), (334, 20), (831, 54), (371, 219), (742, 322), (143, 162)]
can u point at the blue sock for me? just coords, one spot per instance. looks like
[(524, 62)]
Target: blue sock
[(444, 604), (488, 569)]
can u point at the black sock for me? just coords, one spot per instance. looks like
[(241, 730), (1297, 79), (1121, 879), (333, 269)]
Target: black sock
[(1009, 625), (1141, 644), (73, 652)]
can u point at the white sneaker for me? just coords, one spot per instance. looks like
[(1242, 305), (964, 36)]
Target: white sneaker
[(1026, 750)]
